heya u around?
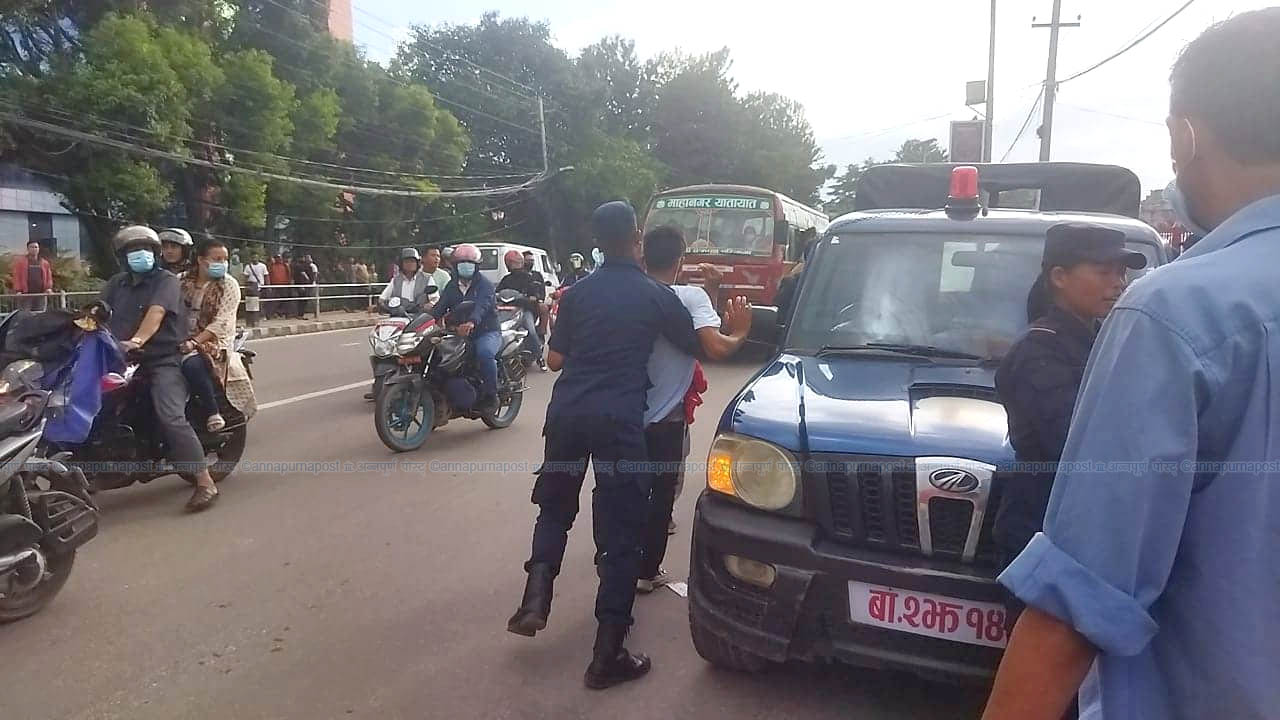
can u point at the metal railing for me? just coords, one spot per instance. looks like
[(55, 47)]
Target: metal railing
[(273, 300)]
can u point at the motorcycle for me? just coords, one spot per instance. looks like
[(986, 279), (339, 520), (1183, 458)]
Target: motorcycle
[(382, 340), (46, 512), (510, 317), (436, 381), (125, 446)]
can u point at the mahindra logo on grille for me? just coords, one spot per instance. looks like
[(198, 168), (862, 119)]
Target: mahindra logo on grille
[(954, 481)]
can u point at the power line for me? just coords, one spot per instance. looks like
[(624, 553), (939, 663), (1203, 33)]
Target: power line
[(1025, 124), (58, 110), (1131, 45), (341, 187)]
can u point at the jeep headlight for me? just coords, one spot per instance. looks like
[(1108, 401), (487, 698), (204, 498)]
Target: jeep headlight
[(760, 474)]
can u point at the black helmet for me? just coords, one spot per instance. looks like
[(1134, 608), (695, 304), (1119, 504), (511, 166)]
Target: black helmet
[(410, 254)]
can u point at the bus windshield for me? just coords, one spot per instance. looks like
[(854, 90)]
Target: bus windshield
[(718, 225)]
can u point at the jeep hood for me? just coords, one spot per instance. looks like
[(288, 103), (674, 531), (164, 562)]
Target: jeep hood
[(870, 405)]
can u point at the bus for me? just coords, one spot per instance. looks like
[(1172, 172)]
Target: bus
[(752, 236)]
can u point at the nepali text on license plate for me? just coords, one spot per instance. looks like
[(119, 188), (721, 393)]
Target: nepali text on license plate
[(966, 621)]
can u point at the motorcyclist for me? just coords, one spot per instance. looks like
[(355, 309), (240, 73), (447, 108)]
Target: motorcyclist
[(577, 270), (410, 284), (175, 250), (482, 323), (532, 293), (147, 309)]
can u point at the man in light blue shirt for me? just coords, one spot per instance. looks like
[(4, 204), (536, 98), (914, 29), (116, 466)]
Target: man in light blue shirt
[(1158, 564)]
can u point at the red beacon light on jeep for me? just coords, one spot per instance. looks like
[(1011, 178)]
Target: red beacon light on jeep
[(963, 199)]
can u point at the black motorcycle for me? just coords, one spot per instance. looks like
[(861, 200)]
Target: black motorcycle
[(46, 512), (126, 446), (436, 381)]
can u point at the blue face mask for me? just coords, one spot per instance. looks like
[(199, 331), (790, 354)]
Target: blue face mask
[(140, 261), (1178, 201), (466, 270), (217, 270)]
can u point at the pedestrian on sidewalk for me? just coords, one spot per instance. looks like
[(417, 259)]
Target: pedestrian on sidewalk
[(672, 374), (602, 341), (1152, 588), (360, 276), (278, 276), (302, 277), (33, 277)]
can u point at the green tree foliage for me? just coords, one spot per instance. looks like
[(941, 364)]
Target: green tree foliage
[(843, 190)]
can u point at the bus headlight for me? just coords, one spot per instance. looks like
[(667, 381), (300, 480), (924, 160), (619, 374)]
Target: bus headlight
[(760, 474)]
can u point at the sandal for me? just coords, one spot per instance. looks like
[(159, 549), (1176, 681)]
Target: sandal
[(202, 499)]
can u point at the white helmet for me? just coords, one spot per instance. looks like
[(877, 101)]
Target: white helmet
[(133, 235), (177, 236)]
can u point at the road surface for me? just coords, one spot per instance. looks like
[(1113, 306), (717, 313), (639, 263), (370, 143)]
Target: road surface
[(314, 592)]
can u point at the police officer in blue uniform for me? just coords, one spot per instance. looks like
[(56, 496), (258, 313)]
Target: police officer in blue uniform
[(601, 344), (1083, 274)]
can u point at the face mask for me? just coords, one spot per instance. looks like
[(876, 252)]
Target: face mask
[(576, 263), (1178, 201), (140, 261), (597, 257), (466, 269), (217, 270)]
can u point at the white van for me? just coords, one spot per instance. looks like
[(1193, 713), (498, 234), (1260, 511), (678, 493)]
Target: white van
[(493, 268)]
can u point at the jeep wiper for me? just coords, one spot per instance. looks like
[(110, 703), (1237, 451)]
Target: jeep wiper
[(924, 351)]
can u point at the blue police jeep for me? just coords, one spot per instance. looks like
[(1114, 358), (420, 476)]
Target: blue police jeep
[(853, 483)]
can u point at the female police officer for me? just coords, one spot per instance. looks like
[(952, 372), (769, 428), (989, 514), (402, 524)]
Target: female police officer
[(1083, 274)]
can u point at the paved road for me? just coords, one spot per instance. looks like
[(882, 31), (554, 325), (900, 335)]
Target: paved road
[(381, 593)]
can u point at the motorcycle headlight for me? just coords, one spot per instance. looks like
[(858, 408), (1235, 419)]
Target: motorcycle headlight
[(406, 342), (758, 473), (382, 347)]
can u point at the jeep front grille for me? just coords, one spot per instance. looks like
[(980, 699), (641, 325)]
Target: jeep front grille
[(889, 504)]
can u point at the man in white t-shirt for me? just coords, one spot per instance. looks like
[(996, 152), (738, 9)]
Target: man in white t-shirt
[(256, 272), (671, 372)]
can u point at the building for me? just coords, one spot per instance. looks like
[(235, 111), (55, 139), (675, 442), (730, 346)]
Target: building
[(1156, 212), (340, 20), (30, 210)]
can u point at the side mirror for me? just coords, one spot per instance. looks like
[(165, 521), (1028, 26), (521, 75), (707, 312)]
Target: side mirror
[(764, 326)]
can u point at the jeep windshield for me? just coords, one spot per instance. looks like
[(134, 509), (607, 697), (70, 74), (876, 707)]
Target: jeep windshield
[(936, 295)]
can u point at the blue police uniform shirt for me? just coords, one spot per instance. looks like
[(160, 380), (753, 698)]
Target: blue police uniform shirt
[(1160, 542), (606, 329)]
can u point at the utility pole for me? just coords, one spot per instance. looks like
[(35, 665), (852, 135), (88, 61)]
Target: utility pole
[(1051, 78), (988, 136), (542, 123)]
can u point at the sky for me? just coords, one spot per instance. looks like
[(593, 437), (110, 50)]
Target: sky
[(873, 74)]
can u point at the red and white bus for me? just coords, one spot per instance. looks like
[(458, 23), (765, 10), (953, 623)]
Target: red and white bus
[(751, 235)]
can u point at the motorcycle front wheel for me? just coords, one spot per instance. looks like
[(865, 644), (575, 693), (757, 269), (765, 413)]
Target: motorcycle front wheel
[(20, 605), (403, 416)]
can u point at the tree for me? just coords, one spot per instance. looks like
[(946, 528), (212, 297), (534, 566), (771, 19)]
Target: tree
[(617, 82), (843, 191), (698, 120), (779, 150), (920, 151)]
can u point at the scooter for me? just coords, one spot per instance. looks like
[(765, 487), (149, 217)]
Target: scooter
[(383, 336)]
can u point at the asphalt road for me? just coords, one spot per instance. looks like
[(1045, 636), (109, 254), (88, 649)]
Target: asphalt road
[(377, 590)]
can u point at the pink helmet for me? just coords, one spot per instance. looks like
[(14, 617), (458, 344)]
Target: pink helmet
[(514, 259), (466, 252)]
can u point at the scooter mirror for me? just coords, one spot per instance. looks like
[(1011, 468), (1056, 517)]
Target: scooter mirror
[(394, 303)]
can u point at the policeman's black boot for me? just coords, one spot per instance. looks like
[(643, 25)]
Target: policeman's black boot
[(535, 606), (611, 664)]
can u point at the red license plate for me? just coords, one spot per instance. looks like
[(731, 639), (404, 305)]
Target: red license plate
[(409, 360), (965, 621)]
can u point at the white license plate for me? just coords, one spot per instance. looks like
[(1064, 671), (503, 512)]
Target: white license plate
[(965, 621)]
